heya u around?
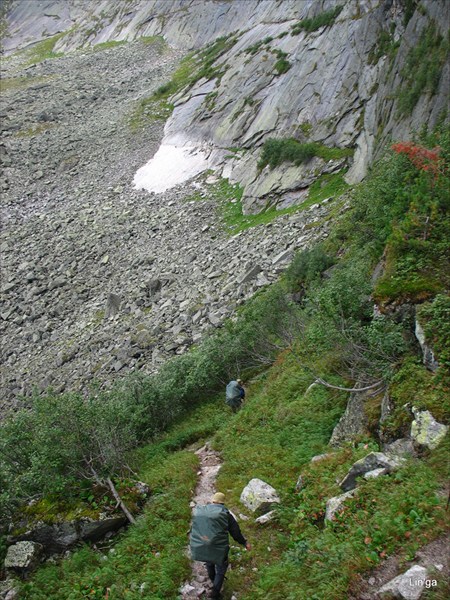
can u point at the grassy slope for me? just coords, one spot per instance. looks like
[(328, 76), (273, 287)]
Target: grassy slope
[(274, 437)]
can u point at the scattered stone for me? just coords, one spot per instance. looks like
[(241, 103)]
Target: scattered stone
[(408, 586), (353, 422), (335, 505), (112, 305), (299, 484), (320, 457), (259, 496), (375, 473), (263, 519), (23, 557), (371, 462), (425, 430), (250, 274)]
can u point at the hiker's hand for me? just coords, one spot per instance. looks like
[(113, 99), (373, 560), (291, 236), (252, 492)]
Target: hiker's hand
[(248, 546)]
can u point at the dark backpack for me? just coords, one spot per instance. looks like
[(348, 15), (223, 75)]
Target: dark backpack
[(233, 394), (209, 533)]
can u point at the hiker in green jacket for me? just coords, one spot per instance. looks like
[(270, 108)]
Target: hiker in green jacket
[(235, 394), (211, 525)]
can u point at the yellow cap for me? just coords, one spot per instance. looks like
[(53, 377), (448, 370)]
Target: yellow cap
[(218, 498)]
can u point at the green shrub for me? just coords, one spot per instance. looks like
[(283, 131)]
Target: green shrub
[(325, 19), (276, 151), (423, 68), (306, 266), (282, 65)]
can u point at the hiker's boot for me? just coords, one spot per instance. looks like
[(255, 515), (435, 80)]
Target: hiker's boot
[(214, 594)]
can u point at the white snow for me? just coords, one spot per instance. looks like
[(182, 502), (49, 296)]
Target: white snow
[(171, 166)]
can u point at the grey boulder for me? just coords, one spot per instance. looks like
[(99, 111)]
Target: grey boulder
[(259, 496), (23, 556)]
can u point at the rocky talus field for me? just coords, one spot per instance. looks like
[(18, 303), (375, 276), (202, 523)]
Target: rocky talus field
[(98, 278)]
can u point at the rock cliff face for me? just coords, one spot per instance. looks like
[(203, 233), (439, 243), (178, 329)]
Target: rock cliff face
[(99, 278), (285, 75)]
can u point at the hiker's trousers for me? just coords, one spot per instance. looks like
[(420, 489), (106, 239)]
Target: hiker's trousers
[(217, 574)]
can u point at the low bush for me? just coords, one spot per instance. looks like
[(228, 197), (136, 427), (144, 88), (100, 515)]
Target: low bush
[(277, 151), (325, 19), (306, 267)]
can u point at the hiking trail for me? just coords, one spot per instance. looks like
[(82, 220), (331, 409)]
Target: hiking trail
[(210, 463)]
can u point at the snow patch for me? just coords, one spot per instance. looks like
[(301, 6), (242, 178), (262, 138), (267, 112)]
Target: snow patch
[(171, 166)]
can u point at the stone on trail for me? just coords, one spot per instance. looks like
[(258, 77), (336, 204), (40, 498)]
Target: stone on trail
[(259, 496), (408, 586)]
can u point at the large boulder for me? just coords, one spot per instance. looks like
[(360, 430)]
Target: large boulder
[(371, 462), (23, 557), (408, 586), (336, 504), (425, 430), (259, 496)]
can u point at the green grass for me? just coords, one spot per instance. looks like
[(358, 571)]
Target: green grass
[(325, 187), (274, 438), (192, 68), (107, 45), (325, 19), (228, 199), (34, 130), (277, 151), (19, 83), (43, 50), (385, 45)]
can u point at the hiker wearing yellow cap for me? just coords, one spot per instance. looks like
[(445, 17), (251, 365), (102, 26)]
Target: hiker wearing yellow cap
[(211, 525)]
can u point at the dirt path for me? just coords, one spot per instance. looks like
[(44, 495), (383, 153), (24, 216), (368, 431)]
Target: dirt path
[(210, 464)]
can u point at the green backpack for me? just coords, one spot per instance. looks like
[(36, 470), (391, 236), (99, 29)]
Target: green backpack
[(209, 533)]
